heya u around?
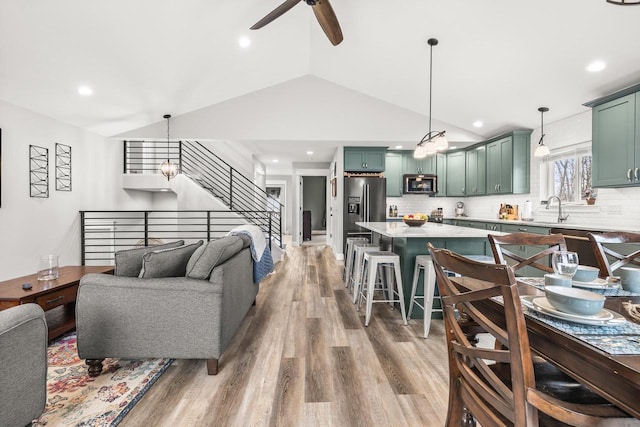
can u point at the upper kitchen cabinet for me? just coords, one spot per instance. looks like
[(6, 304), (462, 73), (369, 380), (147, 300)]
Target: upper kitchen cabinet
[(441, 171), (393, 172), (456, 173), (418, 166), (508, 163), (616, 141), (476, 178), (364, 159)]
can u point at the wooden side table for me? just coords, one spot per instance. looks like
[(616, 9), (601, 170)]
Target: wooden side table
[(56, 297)]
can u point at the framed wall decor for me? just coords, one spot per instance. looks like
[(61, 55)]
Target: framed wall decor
[(63, 167), (38, 171)]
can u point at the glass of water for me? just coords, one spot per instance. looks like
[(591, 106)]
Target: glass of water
[(565, 263)]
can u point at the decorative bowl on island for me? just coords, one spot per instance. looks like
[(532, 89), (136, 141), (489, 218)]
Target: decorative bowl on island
[(415, 220)]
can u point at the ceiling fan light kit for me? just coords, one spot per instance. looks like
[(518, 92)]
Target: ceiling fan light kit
[(321, 9), (542, 150), (433, 141), (624, 2)]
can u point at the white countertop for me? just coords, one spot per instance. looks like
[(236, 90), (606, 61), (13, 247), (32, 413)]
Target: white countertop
[(430, 230), (569, 226)]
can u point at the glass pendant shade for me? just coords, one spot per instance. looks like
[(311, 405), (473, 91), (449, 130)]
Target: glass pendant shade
[(441, 143), (168, 169), (420, 152), (431, 148), (541, 150)]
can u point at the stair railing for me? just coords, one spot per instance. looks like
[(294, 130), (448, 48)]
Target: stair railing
[(213, 174)]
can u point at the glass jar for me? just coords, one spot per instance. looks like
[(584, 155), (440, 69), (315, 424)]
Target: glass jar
[(48, 267)]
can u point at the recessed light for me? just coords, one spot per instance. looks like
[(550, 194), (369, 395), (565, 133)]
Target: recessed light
[(85, 91), (398, 147), (274, 161), (452, 148), (596, 66), (309, 153), (244, 42), (478, 124)]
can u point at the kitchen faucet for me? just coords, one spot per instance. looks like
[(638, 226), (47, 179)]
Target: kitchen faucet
[(561, 218)]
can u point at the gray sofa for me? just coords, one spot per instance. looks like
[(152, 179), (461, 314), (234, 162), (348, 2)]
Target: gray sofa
[(23, 364), (190, 316)]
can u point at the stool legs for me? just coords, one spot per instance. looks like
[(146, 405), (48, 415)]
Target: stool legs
[(372, 266), (429, 282)]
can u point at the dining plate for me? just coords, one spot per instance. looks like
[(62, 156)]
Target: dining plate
[(599, 283), (604, 318)]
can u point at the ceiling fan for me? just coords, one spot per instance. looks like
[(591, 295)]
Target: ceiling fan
[(321, 8)]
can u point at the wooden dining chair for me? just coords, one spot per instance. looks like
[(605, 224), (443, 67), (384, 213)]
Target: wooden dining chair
[(614, 250), (527, 253), (497, 386)]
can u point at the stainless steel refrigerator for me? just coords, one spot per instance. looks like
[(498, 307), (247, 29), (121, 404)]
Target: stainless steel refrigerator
[(365, 199)]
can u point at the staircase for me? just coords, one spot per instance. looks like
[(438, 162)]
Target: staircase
[(216, 176)]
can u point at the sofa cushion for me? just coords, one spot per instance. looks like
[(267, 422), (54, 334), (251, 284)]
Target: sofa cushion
[(167, 262), (215, 252), (129, 261)]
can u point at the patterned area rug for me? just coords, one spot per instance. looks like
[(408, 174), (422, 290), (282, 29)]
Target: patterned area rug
[(76, 399)]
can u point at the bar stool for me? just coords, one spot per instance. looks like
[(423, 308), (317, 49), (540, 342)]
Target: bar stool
[(375, 262), (355, 283), (348, 260), (423, 263)]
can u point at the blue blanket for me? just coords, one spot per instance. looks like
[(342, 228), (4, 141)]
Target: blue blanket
[(262, 265)]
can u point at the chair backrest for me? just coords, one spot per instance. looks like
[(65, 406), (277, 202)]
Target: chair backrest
[(614, 250), (520, 250), (473, 383), (496, 385)]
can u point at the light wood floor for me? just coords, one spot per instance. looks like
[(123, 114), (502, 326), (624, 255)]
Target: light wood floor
[(303, 357)]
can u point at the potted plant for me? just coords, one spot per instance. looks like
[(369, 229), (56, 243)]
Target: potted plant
[(590, 196)]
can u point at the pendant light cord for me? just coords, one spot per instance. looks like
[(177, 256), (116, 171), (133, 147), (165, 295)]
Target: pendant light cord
[(168, 116), (430, 81)]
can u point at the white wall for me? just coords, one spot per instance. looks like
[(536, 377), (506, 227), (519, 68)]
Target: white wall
[(31, 227)]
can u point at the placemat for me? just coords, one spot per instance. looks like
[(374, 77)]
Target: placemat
[(614, 339)]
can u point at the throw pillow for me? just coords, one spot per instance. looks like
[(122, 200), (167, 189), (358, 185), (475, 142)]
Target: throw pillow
[(167, 262), (214, 253), (129, 261)]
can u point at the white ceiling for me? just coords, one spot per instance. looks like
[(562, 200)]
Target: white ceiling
[(497, 60)]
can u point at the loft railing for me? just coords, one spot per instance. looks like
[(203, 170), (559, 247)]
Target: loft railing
[(102, 233), (212, 173)]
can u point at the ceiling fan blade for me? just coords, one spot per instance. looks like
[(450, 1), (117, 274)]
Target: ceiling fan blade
[(275, 13), (328, 21)]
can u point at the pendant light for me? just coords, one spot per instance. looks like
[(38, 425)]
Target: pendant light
[(541, 150), (433, 141), (168, 168)]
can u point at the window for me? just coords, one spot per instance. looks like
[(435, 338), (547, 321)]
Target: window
[(568, 174)]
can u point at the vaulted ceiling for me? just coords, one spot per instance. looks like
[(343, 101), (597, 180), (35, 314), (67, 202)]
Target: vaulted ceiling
[(497, 61)]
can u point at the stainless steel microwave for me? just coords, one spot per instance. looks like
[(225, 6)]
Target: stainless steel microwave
[(420, 184)]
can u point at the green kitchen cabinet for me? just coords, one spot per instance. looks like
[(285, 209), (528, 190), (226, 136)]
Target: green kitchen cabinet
[(456, 173), (393, 171), (418, 166), (476, 177), (364, 159), (508, 163), (616, 142), (441, 171)]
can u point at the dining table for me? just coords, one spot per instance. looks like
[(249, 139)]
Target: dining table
[(605, 357)]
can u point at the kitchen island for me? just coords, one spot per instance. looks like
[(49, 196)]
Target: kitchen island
[(409, 242)]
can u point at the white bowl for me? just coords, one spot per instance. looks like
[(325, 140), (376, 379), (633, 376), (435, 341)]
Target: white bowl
[(574, 300)]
